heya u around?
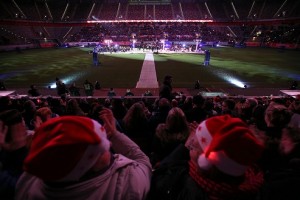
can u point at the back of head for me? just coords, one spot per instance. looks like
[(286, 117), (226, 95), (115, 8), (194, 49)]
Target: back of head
[(135, 116), (164, 104), (230, 103), (136, 110), (4, 102), (29, 105), (15, 139), (176, 121), (277, 115), (63, 149), (44, 113), (73, 104), (295, 106), (168, 79), (290, 142), (11, 117), (198, 100), (252, 102)]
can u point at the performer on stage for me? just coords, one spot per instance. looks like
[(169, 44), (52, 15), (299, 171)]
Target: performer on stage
[(95, 56), (207, 58)]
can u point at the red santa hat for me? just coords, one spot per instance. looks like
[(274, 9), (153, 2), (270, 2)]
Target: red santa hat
[(228, 144), (65, 148)]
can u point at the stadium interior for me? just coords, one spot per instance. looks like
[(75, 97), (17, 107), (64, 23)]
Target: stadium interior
[(149, 99)]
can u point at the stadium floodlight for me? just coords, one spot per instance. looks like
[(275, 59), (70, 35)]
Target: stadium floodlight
[(236, 82), (67, 80)]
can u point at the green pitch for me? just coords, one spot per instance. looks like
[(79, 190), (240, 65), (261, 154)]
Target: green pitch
[(229, 67)]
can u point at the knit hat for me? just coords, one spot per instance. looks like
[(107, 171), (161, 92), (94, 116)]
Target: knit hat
[(228, 144), (65, 148)]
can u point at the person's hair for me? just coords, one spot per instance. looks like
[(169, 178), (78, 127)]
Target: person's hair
[(135, 116), (258, 117), (293, 133), (10, 118), (164, 104), (198, 100), (176, 122), (277, 115), (73, 108), (292, 147), (43, 113), (252, 102), (295, 106), (167, 77), (167, 80), (174, 103), (29, 106), (230, 103), (4, 102)]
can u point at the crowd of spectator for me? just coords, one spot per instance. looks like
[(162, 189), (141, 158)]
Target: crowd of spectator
[(178, 32), (174, 32), (151, 31), (252, 153)]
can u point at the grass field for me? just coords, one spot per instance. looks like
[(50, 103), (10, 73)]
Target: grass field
[(230, 67)]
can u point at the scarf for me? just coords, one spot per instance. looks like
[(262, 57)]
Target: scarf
[(222, 190)]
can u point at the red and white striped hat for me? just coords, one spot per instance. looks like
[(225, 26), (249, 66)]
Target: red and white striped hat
[(65, 148), (228, 144)]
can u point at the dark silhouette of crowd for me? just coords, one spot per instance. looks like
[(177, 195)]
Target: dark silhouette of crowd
[(33, 91), (179, 147)]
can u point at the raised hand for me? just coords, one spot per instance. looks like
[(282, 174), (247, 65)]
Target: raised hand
[(109, 121)]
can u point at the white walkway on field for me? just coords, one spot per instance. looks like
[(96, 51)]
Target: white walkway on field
[(148, 77)]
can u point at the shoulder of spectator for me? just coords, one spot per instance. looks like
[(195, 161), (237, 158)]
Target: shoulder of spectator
[(122, 144)]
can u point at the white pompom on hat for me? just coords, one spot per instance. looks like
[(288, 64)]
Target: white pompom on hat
[(228, 144), (64, 148)]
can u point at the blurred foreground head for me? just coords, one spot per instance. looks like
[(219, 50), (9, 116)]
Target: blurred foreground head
[(227, 144), (65, 148)]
